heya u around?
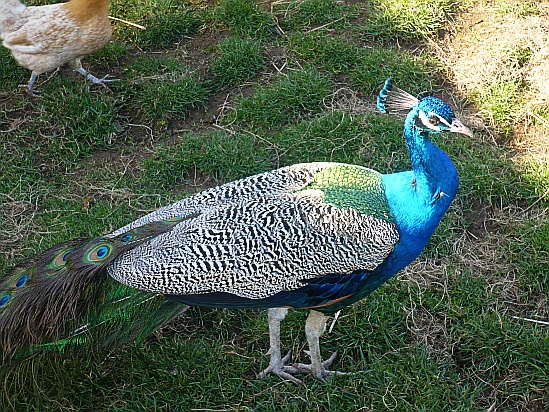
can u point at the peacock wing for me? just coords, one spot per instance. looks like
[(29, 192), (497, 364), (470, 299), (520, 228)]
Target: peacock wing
[(270, 233)]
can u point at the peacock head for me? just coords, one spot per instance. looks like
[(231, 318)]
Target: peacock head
[(435, 116), (428, 114)]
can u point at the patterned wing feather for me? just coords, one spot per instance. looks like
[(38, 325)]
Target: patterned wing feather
[(266, 234)]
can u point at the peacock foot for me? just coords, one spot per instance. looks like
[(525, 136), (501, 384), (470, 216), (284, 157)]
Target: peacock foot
[(320, 370), (279, 367), (287, 372)]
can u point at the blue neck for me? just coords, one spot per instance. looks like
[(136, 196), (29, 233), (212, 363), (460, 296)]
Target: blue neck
[(419, 198)]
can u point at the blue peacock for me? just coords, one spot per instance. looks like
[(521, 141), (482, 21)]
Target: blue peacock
[(316, 236)]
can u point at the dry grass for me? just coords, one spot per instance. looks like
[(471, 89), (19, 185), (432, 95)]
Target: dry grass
[(499, 60), (493, 47), (488, 46)]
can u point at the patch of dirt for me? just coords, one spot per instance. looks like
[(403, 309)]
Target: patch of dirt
[(125, 160), (484, 49), (478, 220), (195, 182), (197, 51)]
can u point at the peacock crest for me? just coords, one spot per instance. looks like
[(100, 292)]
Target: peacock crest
[(391, 99)]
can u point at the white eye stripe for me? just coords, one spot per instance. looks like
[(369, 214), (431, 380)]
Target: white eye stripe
[(427, 118), (426, 122)]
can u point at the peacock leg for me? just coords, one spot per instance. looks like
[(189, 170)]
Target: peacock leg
[(314, 328), (277, 363)]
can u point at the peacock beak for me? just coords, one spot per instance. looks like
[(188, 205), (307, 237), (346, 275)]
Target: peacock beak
[(458, 127)]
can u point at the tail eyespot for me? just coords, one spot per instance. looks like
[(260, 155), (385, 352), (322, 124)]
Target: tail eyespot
[(4, 300), (61, 258), (125, 238), (21, 282), (100, 252)]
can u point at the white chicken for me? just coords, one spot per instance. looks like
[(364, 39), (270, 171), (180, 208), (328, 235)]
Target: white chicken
[(42, 38)]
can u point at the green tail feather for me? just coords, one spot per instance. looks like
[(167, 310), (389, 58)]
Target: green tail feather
[(122, 315), (65, 296)]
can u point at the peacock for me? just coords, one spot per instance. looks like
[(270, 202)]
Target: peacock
[(317, 236)]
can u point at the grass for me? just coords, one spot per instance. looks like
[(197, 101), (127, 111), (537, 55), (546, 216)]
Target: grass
[(245, 17), (501, 101), (220, 155), (334, 55), (517, 8), (164, 89), (305, 15), (167, 22), (408, 19), (213, 92), (236, 61), (378, 62), (290, 97)]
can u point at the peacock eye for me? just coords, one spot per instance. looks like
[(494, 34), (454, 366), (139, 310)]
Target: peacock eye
[(102, 252), (61, 259), (434, 120), (99, 253), (126, 238)]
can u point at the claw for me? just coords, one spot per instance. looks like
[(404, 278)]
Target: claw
[(314, 327), (102, 81), (281, 369), (324, 373)]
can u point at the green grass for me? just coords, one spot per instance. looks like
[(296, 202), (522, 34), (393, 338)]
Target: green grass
[(408, 19), (517, 8), (236, 61), (67, 125), (334, 55), (366, 67), (290, 97), (213, 92), (11, 73), (501, 101), (245, 17), (377, 63), (344, 137), (167, 22), (220, 155), (304, 15), (164, 89)]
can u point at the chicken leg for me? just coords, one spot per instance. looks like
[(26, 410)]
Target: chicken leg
[(76, 65)]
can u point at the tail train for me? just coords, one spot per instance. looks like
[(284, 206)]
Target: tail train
[(65, 296)]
